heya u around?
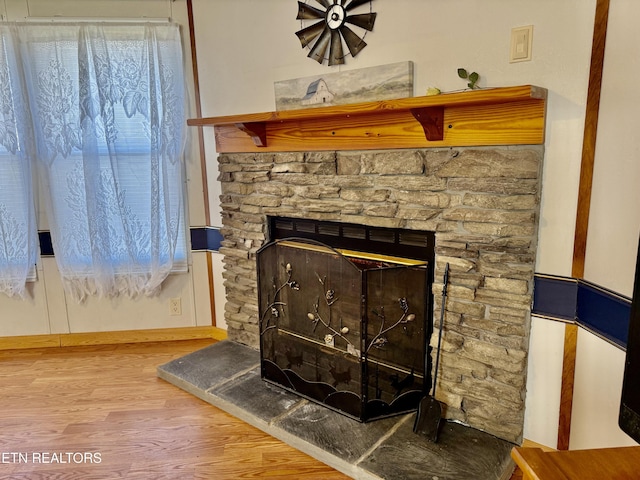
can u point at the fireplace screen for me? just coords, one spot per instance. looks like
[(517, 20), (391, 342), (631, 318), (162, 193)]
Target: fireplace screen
[(343, 328)]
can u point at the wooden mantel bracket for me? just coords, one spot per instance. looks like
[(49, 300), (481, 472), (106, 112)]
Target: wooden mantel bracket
[(256, 130), (432, 121)]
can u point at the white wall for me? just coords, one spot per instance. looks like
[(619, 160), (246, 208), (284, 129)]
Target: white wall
[(597, 390), (614, 221), (47, 310), (544, 378), (614, 224), (244, 46)]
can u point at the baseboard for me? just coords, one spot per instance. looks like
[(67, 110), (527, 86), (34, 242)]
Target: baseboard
[(531, 444), (111, 338), (29, 341)]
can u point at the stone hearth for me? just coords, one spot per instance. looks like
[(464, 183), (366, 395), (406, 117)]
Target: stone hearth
[(482, 203), (227, 375)]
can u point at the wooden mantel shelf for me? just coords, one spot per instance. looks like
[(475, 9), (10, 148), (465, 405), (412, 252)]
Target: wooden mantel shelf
[(497, 116)]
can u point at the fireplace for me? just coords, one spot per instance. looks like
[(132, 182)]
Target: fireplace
[(481, 204), (345, 323), (465, 166)]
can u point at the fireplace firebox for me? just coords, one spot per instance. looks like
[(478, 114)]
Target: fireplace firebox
[(346, 323)]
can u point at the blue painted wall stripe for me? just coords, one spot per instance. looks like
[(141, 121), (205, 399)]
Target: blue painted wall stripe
[(601, 311), (202, 238), (555, 297), (46, 246), (597, 309), (205, 238), (604, 312)]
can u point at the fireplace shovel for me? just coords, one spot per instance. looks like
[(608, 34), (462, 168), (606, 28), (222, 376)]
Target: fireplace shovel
[(429, 414)]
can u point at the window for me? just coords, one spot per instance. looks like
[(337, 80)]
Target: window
[(108, 110)]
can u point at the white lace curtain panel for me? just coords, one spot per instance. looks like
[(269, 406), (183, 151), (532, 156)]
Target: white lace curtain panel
[(18, 244), (107, 106)]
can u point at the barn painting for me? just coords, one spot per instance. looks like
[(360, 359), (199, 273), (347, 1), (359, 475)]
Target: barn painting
[(384, 82)]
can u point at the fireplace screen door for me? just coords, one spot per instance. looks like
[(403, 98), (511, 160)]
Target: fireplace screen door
[(345, 329)]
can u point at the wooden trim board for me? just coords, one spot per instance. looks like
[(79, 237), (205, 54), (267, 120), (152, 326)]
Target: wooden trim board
[(111, 338), (583, 210)]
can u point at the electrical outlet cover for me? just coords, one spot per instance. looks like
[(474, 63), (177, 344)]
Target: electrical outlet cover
[(175, 306)]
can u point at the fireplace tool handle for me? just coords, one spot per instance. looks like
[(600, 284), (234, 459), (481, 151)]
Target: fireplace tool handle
[(429, 413), (444, 297)]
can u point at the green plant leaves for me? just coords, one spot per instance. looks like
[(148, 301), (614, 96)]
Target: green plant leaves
[(473, 77)]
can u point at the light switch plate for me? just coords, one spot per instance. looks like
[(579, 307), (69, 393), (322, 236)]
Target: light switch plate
[(521, 41)]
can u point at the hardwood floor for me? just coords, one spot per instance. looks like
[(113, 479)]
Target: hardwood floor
[(102, 413)]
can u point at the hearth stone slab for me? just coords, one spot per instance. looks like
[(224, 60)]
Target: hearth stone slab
[(227, 375), (256, 397), (461, 453), (213, 365), (334, 433)]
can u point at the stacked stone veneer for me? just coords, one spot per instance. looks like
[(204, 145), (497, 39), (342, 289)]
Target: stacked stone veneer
[(482, 203)]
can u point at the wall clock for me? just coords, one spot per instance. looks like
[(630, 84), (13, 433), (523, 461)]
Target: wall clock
[(328, 28)]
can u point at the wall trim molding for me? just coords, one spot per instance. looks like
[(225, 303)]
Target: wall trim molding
[(111, 338), (583, 210)]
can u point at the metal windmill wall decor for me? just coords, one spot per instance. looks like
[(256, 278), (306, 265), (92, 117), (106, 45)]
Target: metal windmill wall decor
[(329, 28)]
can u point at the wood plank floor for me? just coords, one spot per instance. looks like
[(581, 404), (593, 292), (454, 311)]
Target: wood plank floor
[(102, 413)]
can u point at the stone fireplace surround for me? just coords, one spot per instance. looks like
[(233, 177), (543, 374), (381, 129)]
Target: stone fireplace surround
[(481, 202)]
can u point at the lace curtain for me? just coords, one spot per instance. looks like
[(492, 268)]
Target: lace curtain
[(108, 109), (18, 244)]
